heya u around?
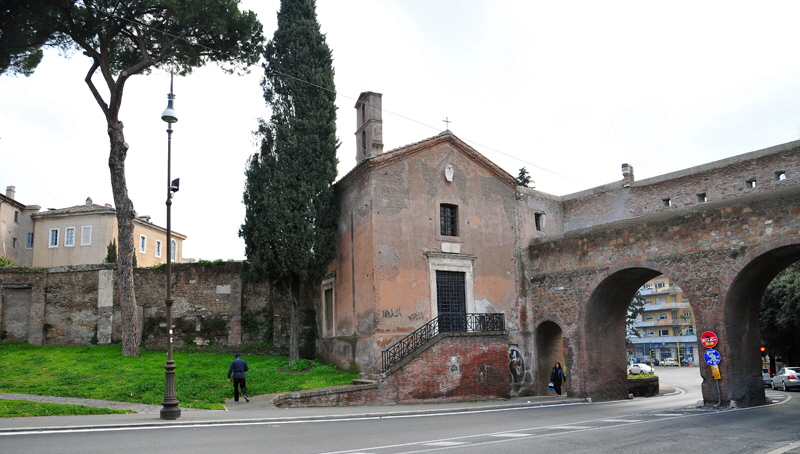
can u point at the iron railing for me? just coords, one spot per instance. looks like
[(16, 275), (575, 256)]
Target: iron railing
[(444, 323)]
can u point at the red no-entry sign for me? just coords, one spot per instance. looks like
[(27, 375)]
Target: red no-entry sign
[(709, 339)]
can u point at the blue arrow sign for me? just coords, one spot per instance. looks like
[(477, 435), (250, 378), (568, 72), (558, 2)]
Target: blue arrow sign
[(712, 357)]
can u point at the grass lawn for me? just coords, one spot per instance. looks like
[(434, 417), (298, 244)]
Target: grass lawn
[(23, 409), (101, 372), (641, 375)]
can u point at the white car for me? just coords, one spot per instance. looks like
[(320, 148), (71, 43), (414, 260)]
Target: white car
[(786, 378), (639, 368), (767, 377)]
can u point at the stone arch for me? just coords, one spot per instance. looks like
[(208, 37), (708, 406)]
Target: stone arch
[(549, 345), (742, 291), (601, 361)]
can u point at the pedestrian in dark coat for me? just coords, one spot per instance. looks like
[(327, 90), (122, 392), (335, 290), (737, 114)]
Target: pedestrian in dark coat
[(556, 377), (238, 368)]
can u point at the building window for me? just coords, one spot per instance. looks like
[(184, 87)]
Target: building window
[(16, 217), (142, 244), (448, 219), (750, 184), (661, 284), (14, 243), (662, 316), (539, 219), (158, 249), (663, 332), (53, 238), (29, 243), (780, 175), (661, 300), (328, 306), (364, 142), (687, 314), (69, 236), (649, 332), (86, 235), (173, 253), (701, 197)]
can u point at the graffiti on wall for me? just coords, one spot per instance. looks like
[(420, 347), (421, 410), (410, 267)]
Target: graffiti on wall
[(392, 313), (482, 372), (516, 365)]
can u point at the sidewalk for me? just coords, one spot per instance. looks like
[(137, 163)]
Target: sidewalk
[(259, 409)]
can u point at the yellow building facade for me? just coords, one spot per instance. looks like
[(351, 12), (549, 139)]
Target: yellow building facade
[(81, 234), (666, 328)]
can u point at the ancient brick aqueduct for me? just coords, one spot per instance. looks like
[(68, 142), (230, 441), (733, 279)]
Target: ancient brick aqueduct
[(722, 232)]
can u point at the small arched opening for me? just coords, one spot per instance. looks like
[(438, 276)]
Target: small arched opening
[(549, 350)]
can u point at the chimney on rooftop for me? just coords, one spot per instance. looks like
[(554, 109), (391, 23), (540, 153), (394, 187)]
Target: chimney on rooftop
[(89, 201), (369, 122), (11, 191), (627, 175)]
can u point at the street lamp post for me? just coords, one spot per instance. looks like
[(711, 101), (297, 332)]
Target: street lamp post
[(170, 408)]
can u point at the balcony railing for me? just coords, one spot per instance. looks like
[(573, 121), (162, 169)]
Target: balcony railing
[(444, 323)]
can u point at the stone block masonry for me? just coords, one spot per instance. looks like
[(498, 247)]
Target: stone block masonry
[(78, 305)]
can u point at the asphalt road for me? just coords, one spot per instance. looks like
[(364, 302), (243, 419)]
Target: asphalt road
[(653, 425)]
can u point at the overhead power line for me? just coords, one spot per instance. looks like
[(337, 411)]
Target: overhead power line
[(209, 49)]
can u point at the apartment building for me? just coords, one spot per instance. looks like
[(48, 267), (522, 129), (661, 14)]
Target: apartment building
[(77, 235), (667, 325)]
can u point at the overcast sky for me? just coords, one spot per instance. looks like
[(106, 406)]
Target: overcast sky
[(569, 90)]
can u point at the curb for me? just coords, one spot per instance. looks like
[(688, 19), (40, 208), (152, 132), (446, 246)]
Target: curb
[(365, 415)]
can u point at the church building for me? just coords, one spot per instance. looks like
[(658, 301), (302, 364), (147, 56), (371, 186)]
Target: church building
[(432, 237)]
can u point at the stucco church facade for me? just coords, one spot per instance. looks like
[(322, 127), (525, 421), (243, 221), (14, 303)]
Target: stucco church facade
[(427, 230)]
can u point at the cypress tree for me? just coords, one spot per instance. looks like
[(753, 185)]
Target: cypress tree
[(290, 219)]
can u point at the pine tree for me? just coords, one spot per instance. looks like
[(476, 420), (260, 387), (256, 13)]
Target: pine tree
[(290, 218), (524, 179), (122, 40)]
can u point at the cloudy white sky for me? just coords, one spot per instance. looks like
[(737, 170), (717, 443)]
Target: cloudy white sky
[(569, 90)]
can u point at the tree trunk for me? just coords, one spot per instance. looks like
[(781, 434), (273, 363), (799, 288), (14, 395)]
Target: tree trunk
[(294, 322), (125, 241)]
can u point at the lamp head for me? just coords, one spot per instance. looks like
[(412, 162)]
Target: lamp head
[(169, 114)]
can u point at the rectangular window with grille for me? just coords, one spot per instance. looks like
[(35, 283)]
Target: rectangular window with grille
[(69, 237), (53, 238), (448, 219)]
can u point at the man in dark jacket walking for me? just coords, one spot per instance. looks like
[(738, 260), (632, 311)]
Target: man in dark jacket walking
[(238, 368)]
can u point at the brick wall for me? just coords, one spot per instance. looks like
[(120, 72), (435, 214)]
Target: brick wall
[(721, 180), (460, 366), (455, 367)]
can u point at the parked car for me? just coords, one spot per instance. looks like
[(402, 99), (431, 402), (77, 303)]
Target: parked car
[(639, 368), (786, 378), (767, 377), (669, 362)]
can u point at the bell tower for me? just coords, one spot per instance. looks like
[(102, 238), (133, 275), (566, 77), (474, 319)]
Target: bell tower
[(369, 122)]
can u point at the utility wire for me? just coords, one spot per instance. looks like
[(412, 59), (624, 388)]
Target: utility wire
[(263, 66)]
